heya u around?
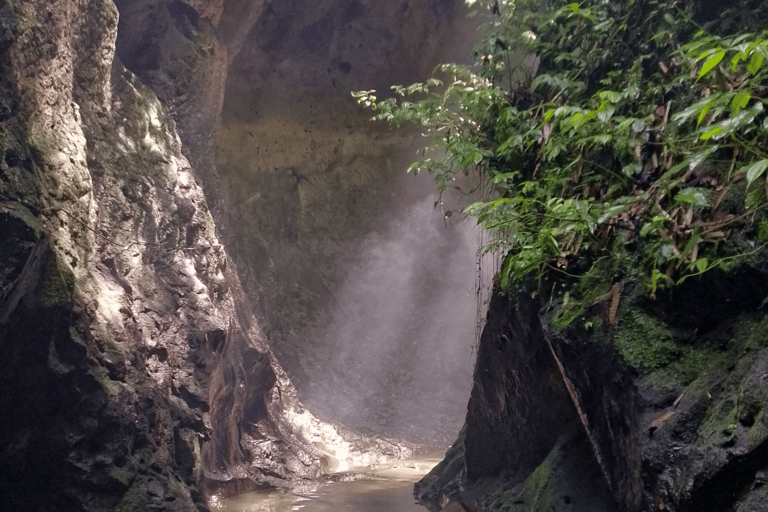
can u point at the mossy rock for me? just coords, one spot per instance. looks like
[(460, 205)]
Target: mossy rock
[(645, 342), (568, 479), (58, 284)]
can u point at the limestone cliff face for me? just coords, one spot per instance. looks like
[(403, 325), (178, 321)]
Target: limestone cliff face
[(308, 178), (295, 176), (663, 410), (132, 365), (103, 314), (134, 369)]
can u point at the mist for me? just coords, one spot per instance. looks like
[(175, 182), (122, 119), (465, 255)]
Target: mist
[(395, 356)]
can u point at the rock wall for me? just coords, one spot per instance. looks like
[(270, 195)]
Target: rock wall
[(523, 447), (135, 371), (665, 410), (133, 366), (311, 184), (107, 288), (301, 178)]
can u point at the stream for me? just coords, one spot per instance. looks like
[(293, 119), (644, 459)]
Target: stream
[(383, 488)]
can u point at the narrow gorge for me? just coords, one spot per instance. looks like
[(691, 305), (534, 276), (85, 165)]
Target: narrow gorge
[(216, 276), (192, 202)]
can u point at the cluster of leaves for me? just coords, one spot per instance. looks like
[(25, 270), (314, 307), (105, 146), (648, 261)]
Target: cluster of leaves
[(615, 136)]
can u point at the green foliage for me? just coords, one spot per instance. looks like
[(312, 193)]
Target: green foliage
[(628, 133)]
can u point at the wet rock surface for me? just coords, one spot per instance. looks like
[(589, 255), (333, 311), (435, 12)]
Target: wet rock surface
[(316, 192), (296, 177), (133, 366), (96, 421), (704, 430), (175, 50), (519, 400), (524, 446), (666, 407)]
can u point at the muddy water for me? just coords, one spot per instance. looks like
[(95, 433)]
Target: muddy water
[(387, 488)]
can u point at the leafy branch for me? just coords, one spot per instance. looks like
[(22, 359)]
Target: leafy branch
[(614, 146)]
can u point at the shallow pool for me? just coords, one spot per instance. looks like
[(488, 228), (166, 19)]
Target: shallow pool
[(387, 488)]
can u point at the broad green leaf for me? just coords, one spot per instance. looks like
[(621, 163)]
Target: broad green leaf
[(606, 112), (740, 101), (655, 276), (600, 27), (758, 45), (706, 53), (581, 119), (665, 252), (626, 123), (702, 264), (676, 168), (602, 139), (741, 121), (712, 61), (415, 167), (647, 228), (754, 170), (736, 41), (612, 211), (698, 41), (632, 169), (692, 242), (697, 159), (504, 179), (691, 111), (704, 111), (413, 88), (696, 196), (610, 96), (656, 222), (711, 133), (506, 270), (736, 59), (755, 63), (554, 246)]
